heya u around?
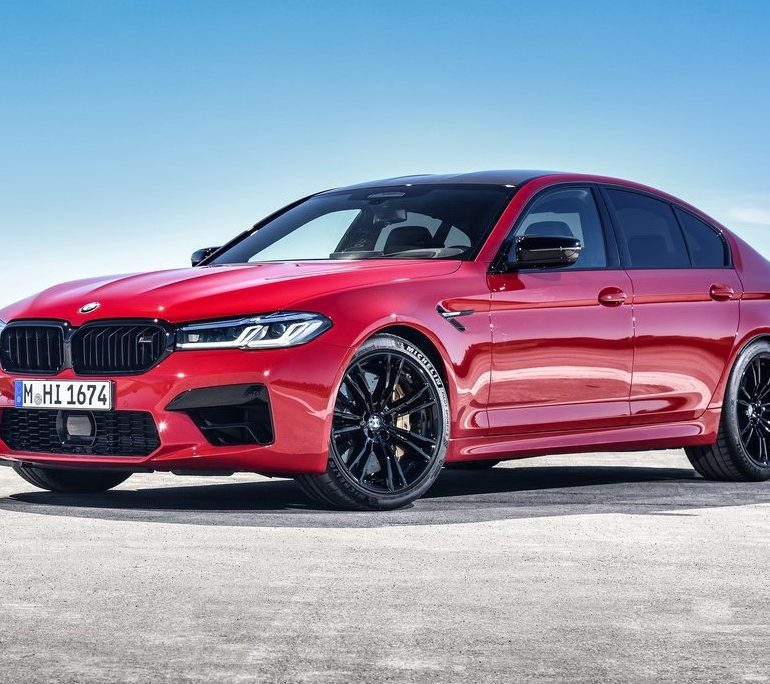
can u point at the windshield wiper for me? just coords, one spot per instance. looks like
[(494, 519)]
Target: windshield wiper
[(357, 254)]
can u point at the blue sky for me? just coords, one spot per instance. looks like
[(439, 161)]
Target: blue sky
[(133, 132)]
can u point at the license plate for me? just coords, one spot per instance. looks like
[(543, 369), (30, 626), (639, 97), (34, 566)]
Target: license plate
[(63, 394)]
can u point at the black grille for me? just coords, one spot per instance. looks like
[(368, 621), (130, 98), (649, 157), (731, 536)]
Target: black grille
[(114, 348), (117, 433), (32, 349)]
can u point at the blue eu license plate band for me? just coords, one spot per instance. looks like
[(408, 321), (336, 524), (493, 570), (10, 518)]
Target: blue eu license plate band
[(89, 395)]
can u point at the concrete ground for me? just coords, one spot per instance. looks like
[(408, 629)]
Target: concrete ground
[(608, 568)]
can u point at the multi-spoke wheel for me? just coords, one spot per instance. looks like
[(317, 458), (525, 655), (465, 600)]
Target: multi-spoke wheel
[(742, 449), (753, 409), (390, 429)]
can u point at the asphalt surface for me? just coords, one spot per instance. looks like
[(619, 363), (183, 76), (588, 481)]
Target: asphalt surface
[(573, 568)]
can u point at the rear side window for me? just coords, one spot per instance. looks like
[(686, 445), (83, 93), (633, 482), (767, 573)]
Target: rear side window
[(650, 234), (707, 247)]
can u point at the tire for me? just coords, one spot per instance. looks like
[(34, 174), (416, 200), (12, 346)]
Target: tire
[(70, 481), (390, 430), (472, 465), (741, 452)]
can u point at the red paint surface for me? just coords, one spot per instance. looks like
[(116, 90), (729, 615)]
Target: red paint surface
[(550, 361)]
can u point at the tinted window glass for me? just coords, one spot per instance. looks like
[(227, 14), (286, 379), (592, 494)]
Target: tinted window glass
[(319, 235), (649, 231), (569, 212), (707, 248), (442, 233), (409, 222)]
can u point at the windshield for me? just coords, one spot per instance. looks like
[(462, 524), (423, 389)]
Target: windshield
[(414, 222)]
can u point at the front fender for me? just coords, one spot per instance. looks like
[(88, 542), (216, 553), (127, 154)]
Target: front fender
[(359, 313)]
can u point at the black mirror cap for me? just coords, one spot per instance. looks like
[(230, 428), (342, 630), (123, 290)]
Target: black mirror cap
[(202, 254), (537, 251)]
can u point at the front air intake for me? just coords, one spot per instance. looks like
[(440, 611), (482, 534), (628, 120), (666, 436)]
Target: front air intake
[(229, 415), (112, 433)]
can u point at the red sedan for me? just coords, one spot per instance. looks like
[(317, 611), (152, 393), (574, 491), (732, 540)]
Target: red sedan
[(362, 338)]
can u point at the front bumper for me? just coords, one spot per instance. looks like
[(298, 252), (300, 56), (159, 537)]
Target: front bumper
[(301, 383)]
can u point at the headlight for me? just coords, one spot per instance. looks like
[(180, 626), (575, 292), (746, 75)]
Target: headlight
[(2, 325), (271, 331)]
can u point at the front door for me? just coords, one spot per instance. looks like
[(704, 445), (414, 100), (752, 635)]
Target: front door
[(562, 350)]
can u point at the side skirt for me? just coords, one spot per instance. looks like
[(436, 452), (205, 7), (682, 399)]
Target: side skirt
[(631, 438)]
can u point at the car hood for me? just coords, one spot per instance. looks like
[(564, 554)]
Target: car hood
[(215, 291)]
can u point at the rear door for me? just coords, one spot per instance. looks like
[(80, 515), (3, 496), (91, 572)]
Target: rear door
[(685, 304), (562, 337)]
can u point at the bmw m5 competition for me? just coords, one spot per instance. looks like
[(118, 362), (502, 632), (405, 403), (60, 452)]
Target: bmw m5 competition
[(363, 338)]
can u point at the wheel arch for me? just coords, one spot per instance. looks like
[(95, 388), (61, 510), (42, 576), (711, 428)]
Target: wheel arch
[(719, 393), (422, 342), (424, 339)]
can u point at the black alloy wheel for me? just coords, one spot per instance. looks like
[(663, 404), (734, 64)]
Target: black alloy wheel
[(389, 432), (753, 409), (387, 423), (742, 449)]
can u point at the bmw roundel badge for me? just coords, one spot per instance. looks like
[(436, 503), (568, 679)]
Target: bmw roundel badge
[(88, 308)]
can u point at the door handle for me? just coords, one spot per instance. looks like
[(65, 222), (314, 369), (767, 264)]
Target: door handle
[(612, 296), (721, 293)]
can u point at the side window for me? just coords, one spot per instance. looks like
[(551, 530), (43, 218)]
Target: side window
[(649, 231), (707, 247), (568, 212)]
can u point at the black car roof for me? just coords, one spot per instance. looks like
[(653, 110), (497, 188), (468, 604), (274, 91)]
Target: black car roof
[(513, 177)]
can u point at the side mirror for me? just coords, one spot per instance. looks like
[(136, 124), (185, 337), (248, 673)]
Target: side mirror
[(202, 254), (532, 251)]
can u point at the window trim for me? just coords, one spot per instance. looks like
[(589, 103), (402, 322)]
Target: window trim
[(614, 262), (615, 221)]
